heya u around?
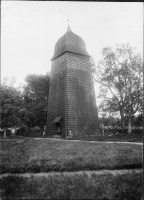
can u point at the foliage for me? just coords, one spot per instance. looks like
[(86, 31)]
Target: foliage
[(30, 155), (121, 78), (27, 105), (138, 121), (11, 105), (77, 186), (109, 121), (35, 100), (112, 124)]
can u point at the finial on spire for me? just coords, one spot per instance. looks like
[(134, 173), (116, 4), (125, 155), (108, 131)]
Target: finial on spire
[(68, 30)]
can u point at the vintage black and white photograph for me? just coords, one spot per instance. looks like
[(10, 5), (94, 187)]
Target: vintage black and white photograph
[(71, 114)]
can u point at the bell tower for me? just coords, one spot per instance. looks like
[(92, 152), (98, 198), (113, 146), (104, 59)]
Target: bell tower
[(72, 104)]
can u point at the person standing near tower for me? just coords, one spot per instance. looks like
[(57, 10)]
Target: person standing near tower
[(58, 131), (44, 131)]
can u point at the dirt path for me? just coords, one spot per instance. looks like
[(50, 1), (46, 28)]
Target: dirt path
[(89, 173), (110, 142), (138, 143)]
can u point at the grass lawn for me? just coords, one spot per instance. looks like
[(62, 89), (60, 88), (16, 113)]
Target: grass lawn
[(31, 155), (104, 187)]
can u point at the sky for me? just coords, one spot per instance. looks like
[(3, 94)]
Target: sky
[(30, 29)]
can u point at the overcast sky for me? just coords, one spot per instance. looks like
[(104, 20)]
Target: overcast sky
[(30, 29)]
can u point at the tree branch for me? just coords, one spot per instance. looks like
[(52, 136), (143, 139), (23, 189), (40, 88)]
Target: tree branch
[(107, 87), (112, 102)]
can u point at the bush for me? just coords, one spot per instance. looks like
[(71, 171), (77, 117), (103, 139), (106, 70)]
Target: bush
[(29, 133)]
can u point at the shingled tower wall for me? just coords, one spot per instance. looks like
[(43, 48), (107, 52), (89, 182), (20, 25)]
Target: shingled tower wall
[(71, 94)]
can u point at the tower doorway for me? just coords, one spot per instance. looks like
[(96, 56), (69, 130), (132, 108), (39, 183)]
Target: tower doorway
[(58, 125)]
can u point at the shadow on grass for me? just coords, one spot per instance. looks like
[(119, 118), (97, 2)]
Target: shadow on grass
[(65, 168)]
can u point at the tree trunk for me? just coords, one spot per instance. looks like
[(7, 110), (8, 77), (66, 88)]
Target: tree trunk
[(5, 133), (129, 126), (122, 122)]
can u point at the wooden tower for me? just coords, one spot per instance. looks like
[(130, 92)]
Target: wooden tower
[(72, 103)]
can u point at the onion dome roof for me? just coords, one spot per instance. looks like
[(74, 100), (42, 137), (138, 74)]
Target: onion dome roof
[(70, 42)]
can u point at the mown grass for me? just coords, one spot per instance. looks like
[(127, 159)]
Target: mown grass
[(30, 155), (105, 186)]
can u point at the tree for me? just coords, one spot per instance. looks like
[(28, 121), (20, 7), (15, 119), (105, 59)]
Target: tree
[(120, 75), (35, 100), (11, 102), (27, 106)]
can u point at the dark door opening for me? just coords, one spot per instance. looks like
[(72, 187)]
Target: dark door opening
[(58, 125)]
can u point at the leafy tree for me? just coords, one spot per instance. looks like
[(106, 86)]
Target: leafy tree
[(11, 104), (35, 100), (27, 106), (120, 75), (109, 121)]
